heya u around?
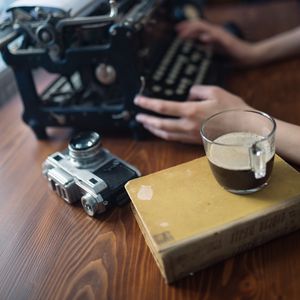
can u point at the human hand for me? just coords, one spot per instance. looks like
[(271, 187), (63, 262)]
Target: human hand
[(203, 102), (220, 38)]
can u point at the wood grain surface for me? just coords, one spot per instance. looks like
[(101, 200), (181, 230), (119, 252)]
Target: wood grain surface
[(51, 250)]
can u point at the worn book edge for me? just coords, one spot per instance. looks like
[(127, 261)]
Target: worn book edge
[(222, 242), (179, 257)]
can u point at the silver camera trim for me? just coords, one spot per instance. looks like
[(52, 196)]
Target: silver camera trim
[(81, 176), (73, 184)]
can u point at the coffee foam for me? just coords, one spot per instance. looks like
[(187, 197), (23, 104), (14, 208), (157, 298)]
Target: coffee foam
[(236, 157)]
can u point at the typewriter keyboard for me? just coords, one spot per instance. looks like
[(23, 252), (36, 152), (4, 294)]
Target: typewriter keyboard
[(184, 64)]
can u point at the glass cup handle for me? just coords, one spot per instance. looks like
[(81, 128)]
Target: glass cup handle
[(257, 160)]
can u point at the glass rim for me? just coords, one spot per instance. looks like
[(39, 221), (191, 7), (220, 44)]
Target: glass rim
[(261, 113)]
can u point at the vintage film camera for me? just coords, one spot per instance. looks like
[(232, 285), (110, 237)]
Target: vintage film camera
[(103, 53), (90, 173)]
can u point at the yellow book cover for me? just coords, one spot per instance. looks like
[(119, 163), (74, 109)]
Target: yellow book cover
[(190, 222)]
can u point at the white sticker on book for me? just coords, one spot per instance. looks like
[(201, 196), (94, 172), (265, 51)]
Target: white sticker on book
[(145, 193)]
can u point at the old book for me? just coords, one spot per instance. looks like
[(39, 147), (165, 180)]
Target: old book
[(189, 222)]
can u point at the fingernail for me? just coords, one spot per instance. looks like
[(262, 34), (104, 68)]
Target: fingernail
[(136, 100), (138, 118)]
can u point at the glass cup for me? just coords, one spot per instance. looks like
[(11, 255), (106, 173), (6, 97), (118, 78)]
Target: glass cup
[(240, 147)]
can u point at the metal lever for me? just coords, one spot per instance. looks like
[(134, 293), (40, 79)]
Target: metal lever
[(143, 84), (9, 37), (90, 20)]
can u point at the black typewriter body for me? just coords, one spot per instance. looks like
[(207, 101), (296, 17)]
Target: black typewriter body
[(103, 57)]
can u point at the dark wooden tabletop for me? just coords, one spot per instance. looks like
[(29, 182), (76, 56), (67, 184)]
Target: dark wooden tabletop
[(51, 250)]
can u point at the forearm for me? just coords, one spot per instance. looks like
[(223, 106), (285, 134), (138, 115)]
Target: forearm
[(288, 141), (277, 47)]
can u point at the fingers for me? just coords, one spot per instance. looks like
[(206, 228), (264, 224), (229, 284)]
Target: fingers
[(192, 29), (164, 107), (182, 109), (171, 125), (206, 38), (203, 92), (191, 25), (174, 136)]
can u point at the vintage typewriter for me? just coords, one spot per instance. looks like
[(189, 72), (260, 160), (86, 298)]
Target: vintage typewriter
[(103, 53)]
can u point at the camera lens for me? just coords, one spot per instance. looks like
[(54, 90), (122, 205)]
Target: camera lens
[(84, 140), (85, 149)]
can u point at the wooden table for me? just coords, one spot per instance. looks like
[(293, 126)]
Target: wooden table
[(51, 250)]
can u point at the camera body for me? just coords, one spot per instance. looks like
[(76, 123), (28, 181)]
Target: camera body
[(89, 173)]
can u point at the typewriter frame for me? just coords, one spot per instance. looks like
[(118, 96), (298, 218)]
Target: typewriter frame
[(107, 118)]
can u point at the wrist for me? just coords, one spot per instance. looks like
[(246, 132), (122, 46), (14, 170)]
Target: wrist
[(250, 54), (245, 53), (259, 54)]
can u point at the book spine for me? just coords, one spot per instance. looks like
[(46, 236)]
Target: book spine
[(200, 252)]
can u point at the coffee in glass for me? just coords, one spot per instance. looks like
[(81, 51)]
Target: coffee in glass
[(240, 148)]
